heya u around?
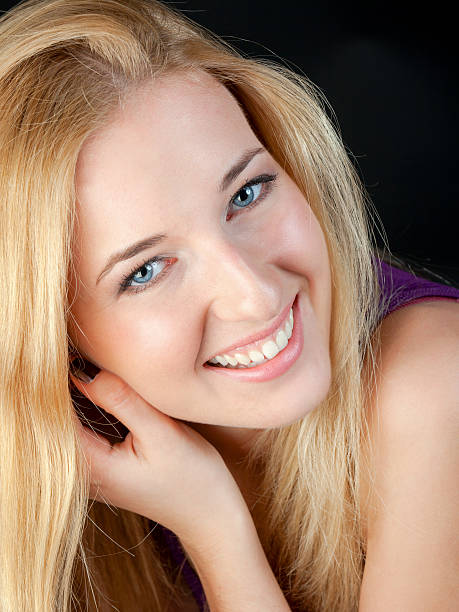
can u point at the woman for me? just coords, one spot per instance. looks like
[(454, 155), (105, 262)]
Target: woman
[(190, 234)]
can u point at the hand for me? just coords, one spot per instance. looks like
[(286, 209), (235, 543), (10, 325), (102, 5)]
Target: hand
[(163, 469)]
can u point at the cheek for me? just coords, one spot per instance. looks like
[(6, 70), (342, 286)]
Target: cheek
[(140, 344), (296, 237), (300, 247)]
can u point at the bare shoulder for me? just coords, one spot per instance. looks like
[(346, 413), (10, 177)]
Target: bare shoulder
[(426, 320), (410, 503), (418, 361)]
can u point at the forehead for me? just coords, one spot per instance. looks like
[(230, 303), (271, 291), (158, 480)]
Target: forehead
[(177, 118), (165, 149)]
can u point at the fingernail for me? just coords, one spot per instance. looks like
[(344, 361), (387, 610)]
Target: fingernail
[(84, 370)]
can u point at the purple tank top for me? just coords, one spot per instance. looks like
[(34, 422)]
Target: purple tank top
[(399, 288)]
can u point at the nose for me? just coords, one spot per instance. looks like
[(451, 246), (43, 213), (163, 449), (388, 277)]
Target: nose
[(242, 286)]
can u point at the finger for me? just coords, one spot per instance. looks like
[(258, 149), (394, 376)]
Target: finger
[(116, 397), (103, 463), (97, 452), (94, 446)]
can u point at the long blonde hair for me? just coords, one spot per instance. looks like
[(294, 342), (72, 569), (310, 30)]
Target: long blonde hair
[(65, 66)]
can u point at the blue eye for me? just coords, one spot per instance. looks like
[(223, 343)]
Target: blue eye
[(247, 195), (144, 275), (253, 192)]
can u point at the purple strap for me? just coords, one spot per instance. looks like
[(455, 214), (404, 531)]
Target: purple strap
[(400, 288)]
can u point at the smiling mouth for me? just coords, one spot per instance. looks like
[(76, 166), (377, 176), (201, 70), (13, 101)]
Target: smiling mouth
[(259, 352)]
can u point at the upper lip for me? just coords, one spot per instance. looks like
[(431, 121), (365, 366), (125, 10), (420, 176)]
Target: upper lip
[(259, 336)]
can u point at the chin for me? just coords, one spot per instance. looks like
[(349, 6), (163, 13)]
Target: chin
[(288, 413), (286, 419), (301, 408)]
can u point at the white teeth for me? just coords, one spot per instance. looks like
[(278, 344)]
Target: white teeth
[(244, 359), (231, 360), (281, 340), (256, 356), (270, 349)]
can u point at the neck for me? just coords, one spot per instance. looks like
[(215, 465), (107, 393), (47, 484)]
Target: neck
[(233, 444)]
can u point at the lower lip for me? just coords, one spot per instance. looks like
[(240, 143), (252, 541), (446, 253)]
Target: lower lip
[(276, 366)]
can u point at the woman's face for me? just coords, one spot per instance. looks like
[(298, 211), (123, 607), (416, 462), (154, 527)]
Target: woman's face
[(174, 163)]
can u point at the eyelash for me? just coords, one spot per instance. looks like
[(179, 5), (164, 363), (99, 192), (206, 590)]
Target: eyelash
[(267, 180)]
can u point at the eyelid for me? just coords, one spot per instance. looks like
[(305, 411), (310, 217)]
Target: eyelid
[(261, 178)]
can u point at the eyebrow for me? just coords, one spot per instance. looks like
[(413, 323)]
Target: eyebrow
[(130, 251), (240, 165), (134, 249)]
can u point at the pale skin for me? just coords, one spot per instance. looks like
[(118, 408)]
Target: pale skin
[(157, 168)]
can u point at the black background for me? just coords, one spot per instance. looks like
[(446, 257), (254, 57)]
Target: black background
[(389, 72)]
